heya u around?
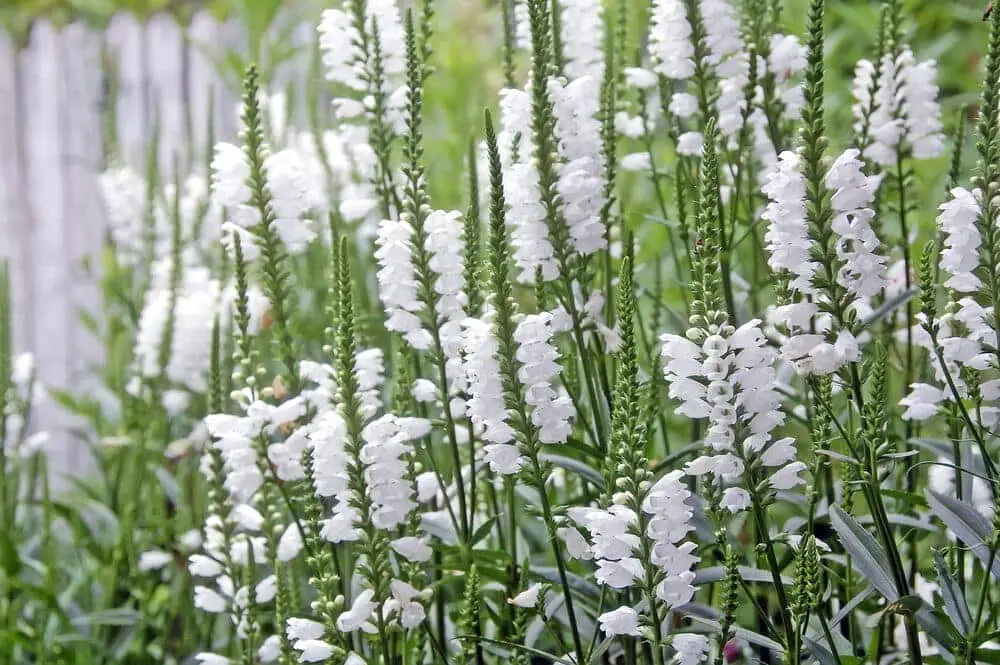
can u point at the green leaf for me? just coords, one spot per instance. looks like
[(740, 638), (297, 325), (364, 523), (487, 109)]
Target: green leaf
[(119, 616), (714, 574), (954, 599), (867, 554), (575, 466), (968, 525), (482, 531)]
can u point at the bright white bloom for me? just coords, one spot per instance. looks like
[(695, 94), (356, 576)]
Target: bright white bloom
[(582, 37), (338, 40), (690, 144), (527, 598), (153, 560), (412, 548), (360, 615), (960, 256), (863, 270), (124, 193), (670, 521), (787, 235), (622, 621), (904, 108), (303, 629), (691, 648), (209, 600), (406, 602), (269, 649), (207, 658), (313, 651), (922, 402), (397, 282), (670, 40), (539, 366), (581, 175), (486, 405), (200, 565), (330, 479), (730, 380), (385, 445)]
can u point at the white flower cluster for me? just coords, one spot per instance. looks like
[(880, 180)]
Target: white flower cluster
[(861, 270), (197, 301), (731, 381), (964, 332), (486, 406), (904, 108), (552, 411), (288, 185), (615, 541)]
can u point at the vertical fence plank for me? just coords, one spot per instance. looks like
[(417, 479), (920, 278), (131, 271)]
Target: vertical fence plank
[(82, 224), (165, 63), (46, 194), (15, 223), (125, 37), (205, 87)]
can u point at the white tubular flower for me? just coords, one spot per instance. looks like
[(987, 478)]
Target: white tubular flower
[(487, 408), (289, 185), (303, 629), (538, 357), (921, 109), (360, 615), (339, 41), (397, 282), (527, 598), (731, 381), (529, 233), (581, 175), (405, 601), (787, 57), (153, 560), (369, 370), (385, 445), (124, 193), (670, 522), (622, 621), (905, 107), (313, 651), (446, 245), (196, 302), (209, 600), (582, 34), (290, 543), (330, 476), (960, 256), (670, 40), (690, 648), (863, 270), (412, 548), (787, 235), (885, 128)]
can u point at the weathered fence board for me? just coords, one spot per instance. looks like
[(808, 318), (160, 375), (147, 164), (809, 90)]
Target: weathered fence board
[(74, 98)]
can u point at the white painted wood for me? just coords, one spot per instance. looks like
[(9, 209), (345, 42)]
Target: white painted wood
[(53, 121), (165, 66), (15, 226), (125, 40), (46, 191), (206, 90), (82, 160)]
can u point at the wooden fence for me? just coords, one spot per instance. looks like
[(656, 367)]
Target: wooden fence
[(65, 96)]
